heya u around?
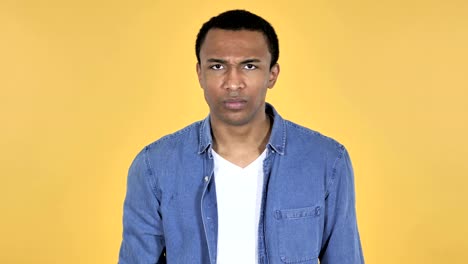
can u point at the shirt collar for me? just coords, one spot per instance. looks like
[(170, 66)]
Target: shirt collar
[(277, 141)]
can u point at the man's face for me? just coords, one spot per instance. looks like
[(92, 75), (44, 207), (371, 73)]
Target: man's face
[(234, 72)]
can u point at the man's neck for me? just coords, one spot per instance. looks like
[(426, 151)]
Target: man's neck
[(241, 144)]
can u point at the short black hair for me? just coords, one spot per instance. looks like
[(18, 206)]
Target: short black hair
[(240, 20)]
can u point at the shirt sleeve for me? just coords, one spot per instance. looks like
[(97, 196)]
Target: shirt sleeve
[(143, 237), (341, 242)]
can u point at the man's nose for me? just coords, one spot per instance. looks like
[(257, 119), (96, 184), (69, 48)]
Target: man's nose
[(234, 80)]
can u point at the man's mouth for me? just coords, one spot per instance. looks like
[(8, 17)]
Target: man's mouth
[(235, 104)]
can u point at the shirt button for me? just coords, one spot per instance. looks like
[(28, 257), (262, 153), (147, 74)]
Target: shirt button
[(317, 211), (206, 178)]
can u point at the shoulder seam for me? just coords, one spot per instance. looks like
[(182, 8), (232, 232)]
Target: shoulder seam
[(151, 177), (338, 159)]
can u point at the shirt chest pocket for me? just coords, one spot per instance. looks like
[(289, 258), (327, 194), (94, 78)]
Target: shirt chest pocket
[(299, 233)]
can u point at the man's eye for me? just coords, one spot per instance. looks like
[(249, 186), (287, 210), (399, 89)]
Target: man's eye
[(217, 67), (250, 67)]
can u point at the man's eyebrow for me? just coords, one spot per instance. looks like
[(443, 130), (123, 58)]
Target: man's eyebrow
[(250, 61), (216, 60)]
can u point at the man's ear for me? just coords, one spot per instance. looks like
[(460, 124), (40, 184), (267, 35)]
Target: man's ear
[(274, 72), (198, 69)]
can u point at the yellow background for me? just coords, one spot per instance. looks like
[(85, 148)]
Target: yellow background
[(86, 84)]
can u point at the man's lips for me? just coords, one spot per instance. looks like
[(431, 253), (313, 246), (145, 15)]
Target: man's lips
[(235, 104)]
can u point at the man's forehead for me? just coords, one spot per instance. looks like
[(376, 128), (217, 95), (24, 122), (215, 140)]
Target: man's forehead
[(217, 34), (238, 43)]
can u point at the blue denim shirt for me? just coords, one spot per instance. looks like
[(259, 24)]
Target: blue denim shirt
[(307, 211)]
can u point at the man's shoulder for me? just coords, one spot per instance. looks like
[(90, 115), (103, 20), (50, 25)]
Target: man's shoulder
[(181, 138), (308, 138), (302, 139)]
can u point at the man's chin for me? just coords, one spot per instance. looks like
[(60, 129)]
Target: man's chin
[(234, 119)]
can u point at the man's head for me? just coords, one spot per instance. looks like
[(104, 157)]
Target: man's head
[(236, 20), (237, 63)]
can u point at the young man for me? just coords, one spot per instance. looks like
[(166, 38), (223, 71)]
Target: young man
[(244, 185)]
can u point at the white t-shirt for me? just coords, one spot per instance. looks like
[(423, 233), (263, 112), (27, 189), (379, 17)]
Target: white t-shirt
[(239, 196)]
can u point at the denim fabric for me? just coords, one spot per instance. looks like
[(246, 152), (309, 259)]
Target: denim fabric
[(308, 206)]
